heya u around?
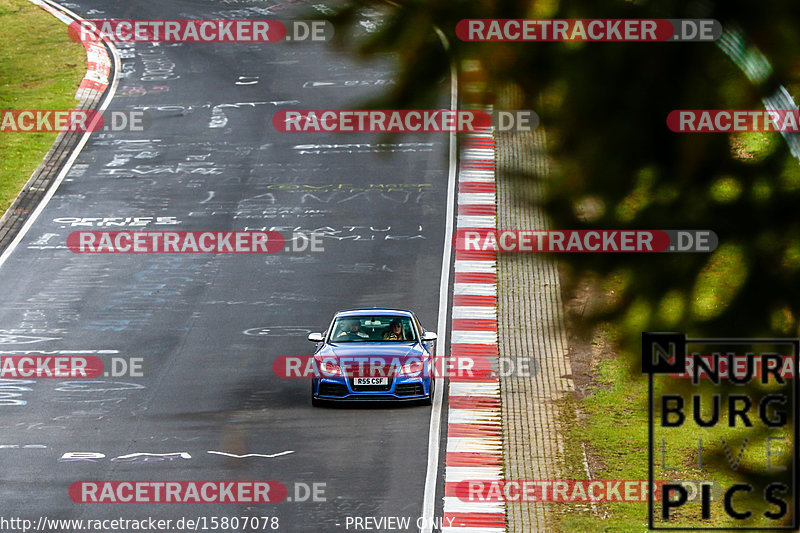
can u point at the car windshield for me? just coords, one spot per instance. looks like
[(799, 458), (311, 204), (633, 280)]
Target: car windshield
[(383, 328)]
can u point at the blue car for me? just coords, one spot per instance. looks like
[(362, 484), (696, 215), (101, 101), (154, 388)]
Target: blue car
[(373, 354)]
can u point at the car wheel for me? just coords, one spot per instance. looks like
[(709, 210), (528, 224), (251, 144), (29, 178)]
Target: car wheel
[(429, 399)]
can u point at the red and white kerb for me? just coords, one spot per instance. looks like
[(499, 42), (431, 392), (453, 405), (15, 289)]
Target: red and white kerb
[(99, 64), (474, 426)]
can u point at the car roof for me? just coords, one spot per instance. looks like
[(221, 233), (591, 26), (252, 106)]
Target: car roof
[(373, 311)]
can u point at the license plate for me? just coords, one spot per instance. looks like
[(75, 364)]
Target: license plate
[(370, 381)]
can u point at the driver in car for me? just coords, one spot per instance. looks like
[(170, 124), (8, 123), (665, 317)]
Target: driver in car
[(353, 332)]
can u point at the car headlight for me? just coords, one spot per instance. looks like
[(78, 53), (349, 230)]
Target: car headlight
[(328, 368), (413, 369)]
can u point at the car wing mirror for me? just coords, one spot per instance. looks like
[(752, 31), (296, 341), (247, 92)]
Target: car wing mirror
[(429, 336), (315, 337)]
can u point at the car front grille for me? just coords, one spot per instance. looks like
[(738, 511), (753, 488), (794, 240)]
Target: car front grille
[(409, 389), (332, 389)]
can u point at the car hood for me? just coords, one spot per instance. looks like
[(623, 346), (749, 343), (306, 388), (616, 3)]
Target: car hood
[(372, 349), (376, 359)]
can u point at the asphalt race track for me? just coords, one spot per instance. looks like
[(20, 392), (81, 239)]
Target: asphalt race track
[(207, 327)]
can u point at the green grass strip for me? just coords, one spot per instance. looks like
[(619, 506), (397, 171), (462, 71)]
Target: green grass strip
[(40, 68)]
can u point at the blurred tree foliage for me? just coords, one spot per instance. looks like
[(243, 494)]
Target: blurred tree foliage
[(615, 163)]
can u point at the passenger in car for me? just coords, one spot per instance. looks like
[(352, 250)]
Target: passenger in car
[(395, 332)]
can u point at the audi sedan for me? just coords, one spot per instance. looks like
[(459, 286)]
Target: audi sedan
[(373, 354)]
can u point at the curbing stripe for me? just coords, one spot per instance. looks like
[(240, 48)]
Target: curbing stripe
[(467, 300), (474, 416), (474, 430), (489, 350), (474, 449), (475, 289), (476, 277), (488, 210), (475, 256), (477, 198), (467, 187), (477, 221), (474, 337), (455, 474), (486, 445), (476, 266), (453, 505), (475, 389), (490, 403), (484, 312), (471, 459), (474, 324)]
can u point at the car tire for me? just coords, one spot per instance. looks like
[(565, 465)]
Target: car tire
[(429, 399)]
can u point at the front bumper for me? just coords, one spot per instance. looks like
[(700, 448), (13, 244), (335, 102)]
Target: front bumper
[(399, 389)]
